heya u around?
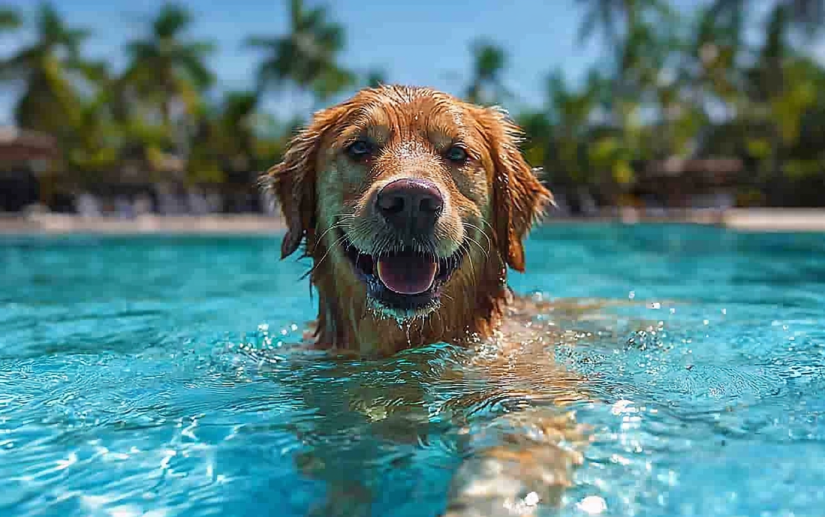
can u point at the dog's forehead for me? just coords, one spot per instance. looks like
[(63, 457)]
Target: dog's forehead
[(401, 112)]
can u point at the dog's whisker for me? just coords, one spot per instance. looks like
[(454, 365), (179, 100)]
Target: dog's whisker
[(440, 320), (381, 245), (473, 241), (333, 227), (329, 248), (482, 232), (490, 226), (472, 267)]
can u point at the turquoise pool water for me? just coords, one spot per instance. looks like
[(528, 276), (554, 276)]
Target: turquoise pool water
[(127, 385)]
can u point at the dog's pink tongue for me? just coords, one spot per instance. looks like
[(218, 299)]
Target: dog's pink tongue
[(407, 273)]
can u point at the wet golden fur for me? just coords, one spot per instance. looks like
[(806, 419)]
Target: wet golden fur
[(491, 201)]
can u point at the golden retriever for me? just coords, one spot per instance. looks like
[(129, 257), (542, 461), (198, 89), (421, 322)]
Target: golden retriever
[(412, 204)]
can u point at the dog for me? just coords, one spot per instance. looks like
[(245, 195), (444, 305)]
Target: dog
[(412, 204)]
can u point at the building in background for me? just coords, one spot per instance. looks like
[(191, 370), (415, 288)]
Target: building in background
[(689, 182), (29, 164)]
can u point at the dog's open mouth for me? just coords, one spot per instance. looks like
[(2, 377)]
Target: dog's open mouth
[(403, 279)]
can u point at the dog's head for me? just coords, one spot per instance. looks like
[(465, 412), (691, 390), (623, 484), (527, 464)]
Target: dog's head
[(405, 190)]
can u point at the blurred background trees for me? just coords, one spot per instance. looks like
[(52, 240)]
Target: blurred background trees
[(672, 86)]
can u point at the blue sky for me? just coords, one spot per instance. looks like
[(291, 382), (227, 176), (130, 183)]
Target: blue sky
[(424, 42)]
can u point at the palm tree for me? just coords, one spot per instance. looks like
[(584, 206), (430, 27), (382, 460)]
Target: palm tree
[(237, 123), (714, 56), (640, 36), (225, 138), (307, 56), (617, 18), (48, 71), (772, 92), (781, 89), (9, 19), (166, 68), (93, 146), (570, 114), (808, 16), (603, 15), (486, 86)]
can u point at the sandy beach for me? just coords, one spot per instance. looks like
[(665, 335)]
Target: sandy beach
[(775, 219), (758, 220), (234, 224)]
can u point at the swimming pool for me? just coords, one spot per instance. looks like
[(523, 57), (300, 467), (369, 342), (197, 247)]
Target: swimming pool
[(127, 386)]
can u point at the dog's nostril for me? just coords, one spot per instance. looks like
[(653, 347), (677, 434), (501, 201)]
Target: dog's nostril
[(391, 204), (431, 204)]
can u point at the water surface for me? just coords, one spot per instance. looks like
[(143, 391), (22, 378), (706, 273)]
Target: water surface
[(133, 382)]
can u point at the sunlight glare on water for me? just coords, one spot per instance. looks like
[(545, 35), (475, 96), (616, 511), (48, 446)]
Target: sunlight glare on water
[(154, 376)]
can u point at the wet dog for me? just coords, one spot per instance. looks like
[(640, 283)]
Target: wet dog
[(412, 204)]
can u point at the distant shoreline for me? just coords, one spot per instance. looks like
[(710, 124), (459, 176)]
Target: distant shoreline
[(219, 224), (754, 220)]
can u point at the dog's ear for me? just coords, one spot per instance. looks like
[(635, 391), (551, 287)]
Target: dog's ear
[(293, 180), (519, 198)]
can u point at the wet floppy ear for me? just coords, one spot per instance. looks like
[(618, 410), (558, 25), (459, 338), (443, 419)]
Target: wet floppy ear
[(519, 198), (292, 181)]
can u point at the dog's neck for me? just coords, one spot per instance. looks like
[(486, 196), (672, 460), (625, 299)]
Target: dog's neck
[(471, 309)]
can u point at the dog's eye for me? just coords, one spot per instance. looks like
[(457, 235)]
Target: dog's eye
[(456, 154), (359, 149)]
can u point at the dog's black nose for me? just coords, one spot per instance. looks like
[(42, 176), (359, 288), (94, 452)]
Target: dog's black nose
[(410, 205)]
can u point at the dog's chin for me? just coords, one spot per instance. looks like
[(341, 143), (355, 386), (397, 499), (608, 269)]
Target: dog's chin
[(403, 283)]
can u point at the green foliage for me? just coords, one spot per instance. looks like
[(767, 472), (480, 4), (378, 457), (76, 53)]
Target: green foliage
[(672, 79), (47, 71), (486, 86), (307, 56), (673, 83), (9, 19), (165, 67)]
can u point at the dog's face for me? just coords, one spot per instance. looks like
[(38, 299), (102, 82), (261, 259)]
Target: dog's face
[(403, 189)]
